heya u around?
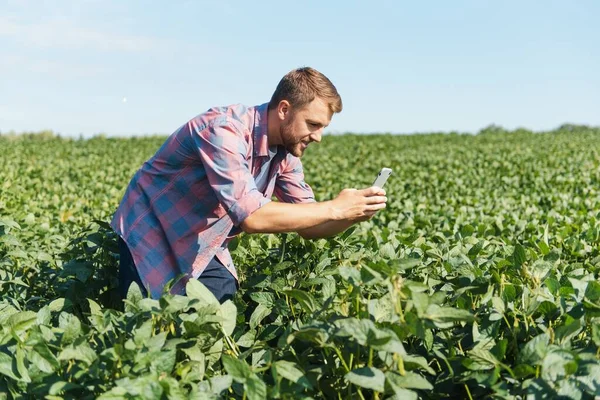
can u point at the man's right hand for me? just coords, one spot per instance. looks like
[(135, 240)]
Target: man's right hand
[(357, 205)]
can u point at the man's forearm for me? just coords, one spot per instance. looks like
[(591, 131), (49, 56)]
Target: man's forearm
[(325, 229), (276, 217)]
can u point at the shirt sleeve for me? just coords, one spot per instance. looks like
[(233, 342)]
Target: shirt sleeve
[(223, 152), (290, 186)]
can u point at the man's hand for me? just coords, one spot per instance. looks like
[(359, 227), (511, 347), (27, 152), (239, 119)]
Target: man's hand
[(358, 205)]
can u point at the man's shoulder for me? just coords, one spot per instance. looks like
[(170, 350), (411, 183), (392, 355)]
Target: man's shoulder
[(239, 115)]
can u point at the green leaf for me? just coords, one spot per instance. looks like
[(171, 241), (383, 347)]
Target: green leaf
[(116, 393), (247, 339), (238, 369), (352, 275), (219, 384), (409, 380), (6, 310), (444, 317), (156, 343), (354, 328), (61, 387), (143, 333), (255, 388), (481, 359), (81, 270), (172, 389), (498, 304), (420, 302), (71, 326), (196, 290), (565, 333), (592, 292), (596, 332), (134, 297), (43, 316), (9, 223), (43, 358), (519, 256), (535, 350), (382, 309), (81, 352), (367, 377), (20, 359), (475, 249), (265, 298), (543, 247), (555, 365), (57, 305), (412, 362), (305, 299), (163, 361), (22, 321), (259, 313), (403, 394), (229, 315), (8, 367), (523, 371), (387, 251), (290, 371), (144, 387), (95, 309)]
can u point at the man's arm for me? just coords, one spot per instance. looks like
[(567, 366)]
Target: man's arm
[(277, 217), (326, 229), (332, 216), (332, 228)]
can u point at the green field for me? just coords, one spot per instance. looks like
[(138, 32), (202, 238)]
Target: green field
[(479, 280)]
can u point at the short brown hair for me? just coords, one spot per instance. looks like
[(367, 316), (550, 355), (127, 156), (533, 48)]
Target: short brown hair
[(302, 85)]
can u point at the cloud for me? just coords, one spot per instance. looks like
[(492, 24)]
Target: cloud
[(62, 33)]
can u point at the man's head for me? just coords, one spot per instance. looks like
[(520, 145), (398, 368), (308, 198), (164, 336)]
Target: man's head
[(301, 107)]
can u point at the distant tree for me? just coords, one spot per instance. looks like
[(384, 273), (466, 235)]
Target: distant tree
[(491, 129), (572, 127)]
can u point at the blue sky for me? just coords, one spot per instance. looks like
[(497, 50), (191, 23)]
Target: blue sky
[(141, 67)]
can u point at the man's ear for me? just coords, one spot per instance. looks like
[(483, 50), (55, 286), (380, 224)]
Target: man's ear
[(283, 109)]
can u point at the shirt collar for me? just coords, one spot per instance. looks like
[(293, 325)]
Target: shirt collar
[(260, 132)]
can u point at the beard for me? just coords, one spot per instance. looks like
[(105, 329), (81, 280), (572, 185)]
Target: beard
[(291, 144)]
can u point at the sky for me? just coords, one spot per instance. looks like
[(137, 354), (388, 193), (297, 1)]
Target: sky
[(85, 67)]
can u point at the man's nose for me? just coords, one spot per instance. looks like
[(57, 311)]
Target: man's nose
[(316, 136)]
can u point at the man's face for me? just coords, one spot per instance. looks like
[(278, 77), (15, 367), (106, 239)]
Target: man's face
[(305, 125)]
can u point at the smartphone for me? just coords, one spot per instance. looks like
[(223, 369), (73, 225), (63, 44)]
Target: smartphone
[(384, 174)]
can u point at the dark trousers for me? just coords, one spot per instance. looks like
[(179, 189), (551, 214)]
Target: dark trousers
[(215, 276)]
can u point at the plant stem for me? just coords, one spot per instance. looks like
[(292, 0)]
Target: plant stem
[(468, 392), (282, 248), (289, 303), (339, 353), (231, 345), (360, 394)]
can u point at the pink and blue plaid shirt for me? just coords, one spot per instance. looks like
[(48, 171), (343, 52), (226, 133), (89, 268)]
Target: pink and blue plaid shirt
[(185, 203)]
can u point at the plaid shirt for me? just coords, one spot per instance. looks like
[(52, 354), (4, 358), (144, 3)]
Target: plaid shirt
[(183, 205)]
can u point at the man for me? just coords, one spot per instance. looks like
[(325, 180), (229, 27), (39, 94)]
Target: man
[(214, 177)]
